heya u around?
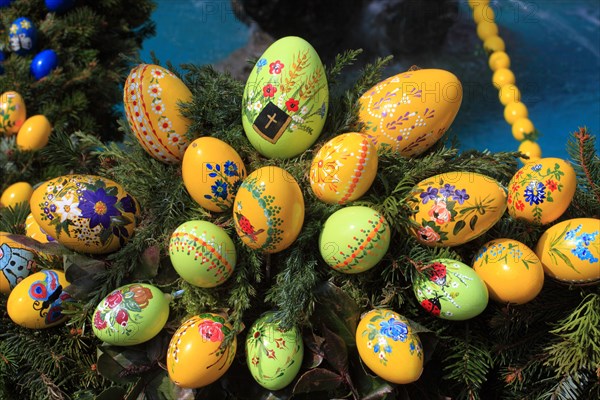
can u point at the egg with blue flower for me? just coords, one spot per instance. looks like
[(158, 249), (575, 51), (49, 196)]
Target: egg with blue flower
[(22, 36), (43, 63), (85, 213), (388, 345), (212, 172)]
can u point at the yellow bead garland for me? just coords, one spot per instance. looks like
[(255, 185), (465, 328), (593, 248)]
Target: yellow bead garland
[(503, 79)]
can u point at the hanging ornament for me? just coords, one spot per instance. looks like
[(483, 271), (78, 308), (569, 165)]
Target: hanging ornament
[(12, 113), (43, 63), (5, 3), (59, 6), (22, 36), (34, 133), (17, 262), (2, 59), (16, 193)]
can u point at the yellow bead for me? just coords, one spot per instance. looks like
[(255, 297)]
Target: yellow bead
[(15, 194), (486, 29), (494, 43), (530, 149), (521, 127), (514, 111), (476, 3), (34, 134), (483, 12), (502, 77), (499, 59), (509, 94)]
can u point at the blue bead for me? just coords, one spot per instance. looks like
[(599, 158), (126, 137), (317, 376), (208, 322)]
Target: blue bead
[(59, 6), (43, 63), (22, 36)]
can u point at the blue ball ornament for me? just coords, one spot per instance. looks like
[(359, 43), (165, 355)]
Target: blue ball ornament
[(43, 63), (5, 3), (59, 6), (22, 36)]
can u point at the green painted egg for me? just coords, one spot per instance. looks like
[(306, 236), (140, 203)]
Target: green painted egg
[(285, 100), (450, 289), (455, 207), (202, 253), (354, 239), (274, 356), (131, 314)]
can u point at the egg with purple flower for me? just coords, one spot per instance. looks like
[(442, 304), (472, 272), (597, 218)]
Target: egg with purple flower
[(85, 213)]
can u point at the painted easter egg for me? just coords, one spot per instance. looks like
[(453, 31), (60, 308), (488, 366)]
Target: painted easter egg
[(43, 63), (202, 253), (36, 302), (131, 314), (570, 250), (344, 168), (456, 207), (410, 111), (354, 239), (16, 193), (34, 134), (449, 289), (541, 190), (273, 355), (151, 96), (212, 172), (34, 231), (22, 36), (268, 210), (12, 113), (17, 262), (195, 357), (285, 100), (85, 213), (511, 271), (388, 346)]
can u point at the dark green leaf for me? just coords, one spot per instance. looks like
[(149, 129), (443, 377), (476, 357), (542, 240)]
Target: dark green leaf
[(335, 351), (318, 379), (109, 368), (112, 393), (458, 227), (473, 222), (338, 311)]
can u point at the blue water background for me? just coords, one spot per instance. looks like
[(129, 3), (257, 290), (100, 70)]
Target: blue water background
[(554, 48)]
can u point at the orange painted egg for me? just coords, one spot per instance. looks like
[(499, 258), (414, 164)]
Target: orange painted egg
[(541, 191), (12, 113), (511, 271), (455, 207), (212, 172), (344, 168), (268, 210), (570, 250), (388, 346), (85, 213), (152, 95), (33, 230), (17, 262), (195, 357), (410, 111)]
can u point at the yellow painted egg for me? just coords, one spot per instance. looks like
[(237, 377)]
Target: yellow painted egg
[(195, 357), (541, 190), (570, 250), (344, 168), (286, 99), (151, 96), (34, 134), (16, 193), (34, 231), (268, 210), (12, 113), (410, 111), (388, 346), (456, 207), (212, 172), (17, 262), (85, 213), (512, 272), (37, 301)]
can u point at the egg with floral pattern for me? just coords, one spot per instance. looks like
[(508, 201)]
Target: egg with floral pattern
[(268, 210), (286, 99), (131, 314), (13, 113), (212, 172), (511, 271), (195, 357), (273, 355), (17, 262), (541, 191), (152, 97), (33, 230), (85, 213), (354, 239), (455, 207), (202, 253), (570, 250), (388, 346), (37, 301), (344, 168), (22, 36), (410, 111), (450, 289)]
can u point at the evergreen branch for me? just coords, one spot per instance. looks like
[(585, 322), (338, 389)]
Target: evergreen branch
[(582, 150), (344, 60)]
